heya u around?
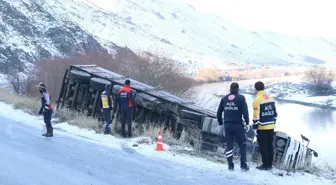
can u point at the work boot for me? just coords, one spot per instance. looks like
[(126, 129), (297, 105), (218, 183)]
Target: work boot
[(47, 133), (51, 134), (231, 167), (244, 167), (262, 167), (107, 131)]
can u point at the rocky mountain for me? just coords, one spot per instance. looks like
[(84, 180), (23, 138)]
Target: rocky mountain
[(28, 32), (39, 29)]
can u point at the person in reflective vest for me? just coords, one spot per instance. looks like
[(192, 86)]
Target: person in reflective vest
[(106, 100), (46, 109), (126, 101), (235, 108), (264, 119)]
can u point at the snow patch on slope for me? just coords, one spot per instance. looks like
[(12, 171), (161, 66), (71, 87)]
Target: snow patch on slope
[(90, 136), (198, 40)]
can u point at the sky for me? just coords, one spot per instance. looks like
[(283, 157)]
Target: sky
[(293, 17)]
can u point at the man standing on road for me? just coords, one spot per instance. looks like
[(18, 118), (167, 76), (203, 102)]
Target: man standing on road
[(126, 100), (46, 109), (106, 100), (264, 118), (234, 107)]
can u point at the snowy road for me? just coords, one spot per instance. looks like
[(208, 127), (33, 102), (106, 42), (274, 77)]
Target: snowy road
[(27, 158)]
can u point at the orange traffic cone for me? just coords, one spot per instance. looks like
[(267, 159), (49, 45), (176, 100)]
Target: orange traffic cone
[(159, 144)]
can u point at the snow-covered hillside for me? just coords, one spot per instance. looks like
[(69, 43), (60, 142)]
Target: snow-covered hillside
[(34, 29), (29, 32)]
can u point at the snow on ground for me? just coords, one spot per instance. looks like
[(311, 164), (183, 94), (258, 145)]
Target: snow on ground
[(148, 150), (320, 100), (2, 79)]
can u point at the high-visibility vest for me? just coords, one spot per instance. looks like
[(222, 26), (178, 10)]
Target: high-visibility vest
[(264, 113), (104, 99)]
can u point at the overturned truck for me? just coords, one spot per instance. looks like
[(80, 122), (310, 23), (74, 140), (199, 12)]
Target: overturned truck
[(83, 84)]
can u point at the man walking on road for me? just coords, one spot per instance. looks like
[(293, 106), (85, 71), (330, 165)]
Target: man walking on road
[(106, 100), (126, 100), (46, 109), (264, 118), (234, 107)]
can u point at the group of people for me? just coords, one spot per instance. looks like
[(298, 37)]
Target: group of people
[(235, 109), (233, 105), (125, 99), (127, 105)]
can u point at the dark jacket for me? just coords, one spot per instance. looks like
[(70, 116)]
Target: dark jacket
[(234, 107), (106, 98), (126, 97)]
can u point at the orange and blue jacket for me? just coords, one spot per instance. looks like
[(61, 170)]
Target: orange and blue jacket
[(126, 97), (264, 111)]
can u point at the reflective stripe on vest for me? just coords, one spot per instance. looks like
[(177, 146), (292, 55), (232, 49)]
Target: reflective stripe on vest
[(104, 100)]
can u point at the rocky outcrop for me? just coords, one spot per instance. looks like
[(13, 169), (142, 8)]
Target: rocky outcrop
[(29, 33)]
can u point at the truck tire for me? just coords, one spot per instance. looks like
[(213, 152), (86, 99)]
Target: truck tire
[(80, 76), (99, 83), (147, 101), (195, 116), (189, 122), (116, 88)]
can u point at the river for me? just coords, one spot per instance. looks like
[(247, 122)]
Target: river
[(315, 123)]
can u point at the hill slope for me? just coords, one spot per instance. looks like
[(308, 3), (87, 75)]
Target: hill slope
[(34, 29)]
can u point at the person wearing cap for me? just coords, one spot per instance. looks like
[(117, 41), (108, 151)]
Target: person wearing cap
[(234, 107), (126, 101), (264, 118), (106, 102), (46, 109)]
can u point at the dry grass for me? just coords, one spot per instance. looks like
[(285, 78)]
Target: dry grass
[(213, 74), (150, 130), (78, 119), (30, 105)]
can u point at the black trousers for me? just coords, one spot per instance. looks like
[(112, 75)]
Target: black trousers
[(236, 132), (126, 116), (108, 121), (265, 142), (47, 118)]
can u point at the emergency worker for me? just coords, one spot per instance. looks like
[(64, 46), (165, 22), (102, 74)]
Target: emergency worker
[(264, 118), (107, 107), (46, 109), (234, 107), (126, 100)]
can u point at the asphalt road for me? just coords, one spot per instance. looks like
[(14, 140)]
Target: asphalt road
[(27, 158)]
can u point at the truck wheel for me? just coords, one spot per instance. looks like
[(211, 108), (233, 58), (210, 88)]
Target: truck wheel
[(80, 76), (116, 88), (195, 116), (99, 83)]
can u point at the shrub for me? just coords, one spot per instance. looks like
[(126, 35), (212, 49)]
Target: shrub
[(150, 69), (320, 79)]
